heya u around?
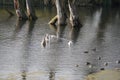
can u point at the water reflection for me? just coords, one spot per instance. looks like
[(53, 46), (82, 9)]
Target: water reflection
[(26, 49), (31, 25), (60, 31), (74, 33), (97, 42), (103, 23), (18, 26)]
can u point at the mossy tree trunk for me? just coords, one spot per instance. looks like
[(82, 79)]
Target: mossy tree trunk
[(18, 5)]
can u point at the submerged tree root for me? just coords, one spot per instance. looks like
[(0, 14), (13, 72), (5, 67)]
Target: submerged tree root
[(53, 20)]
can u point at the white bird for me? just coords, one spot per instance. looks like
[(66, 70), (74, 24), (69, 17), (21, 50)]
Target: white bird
[(52, 36), (70, 43)]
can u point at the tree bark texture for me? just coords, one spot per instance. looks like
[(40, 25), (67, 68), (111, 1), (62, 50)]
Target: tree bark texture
[(74, 17), (18, 5), (60, 13), (30, 10)]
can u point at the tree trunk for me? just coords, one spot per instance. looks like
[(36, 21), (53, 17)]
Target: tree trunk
[(61, 15), (60, 12), (30, 10), (74, 18), (18, 5)]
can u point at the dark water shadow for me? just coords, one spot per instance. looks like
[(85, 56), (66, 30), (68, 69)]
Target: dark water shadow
[(92, 61), (58, 30), (53, 28), (96, 60), (55, 57), (26, 50), (74, 33), (108, 17), (31, 25), (18, 26), (105, 17)]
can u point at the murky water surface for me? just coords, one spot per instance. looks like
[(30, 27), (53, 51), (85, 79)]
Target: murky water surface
[(95, 46)]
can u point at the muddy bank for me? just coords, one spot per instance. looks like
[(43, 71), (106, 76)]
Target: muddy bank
[(105, 75)]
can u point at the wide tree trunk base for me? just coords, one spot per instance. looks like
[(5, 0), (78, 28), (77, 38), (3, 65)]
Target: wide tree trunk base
[(74, 17), (22, 18), (30, 10), (75, 22), (32, 17)]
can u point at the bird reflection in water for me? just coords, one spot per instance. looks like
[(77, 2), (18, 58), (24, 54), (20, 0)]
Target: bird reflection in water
[(59, 32)]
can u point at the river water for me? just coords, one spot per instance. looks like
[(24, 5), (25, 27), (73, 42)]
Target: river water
[(96, 45)]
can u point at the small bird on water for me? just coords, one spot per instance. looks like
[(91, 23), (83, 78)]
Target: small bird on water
[(70, 43)]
